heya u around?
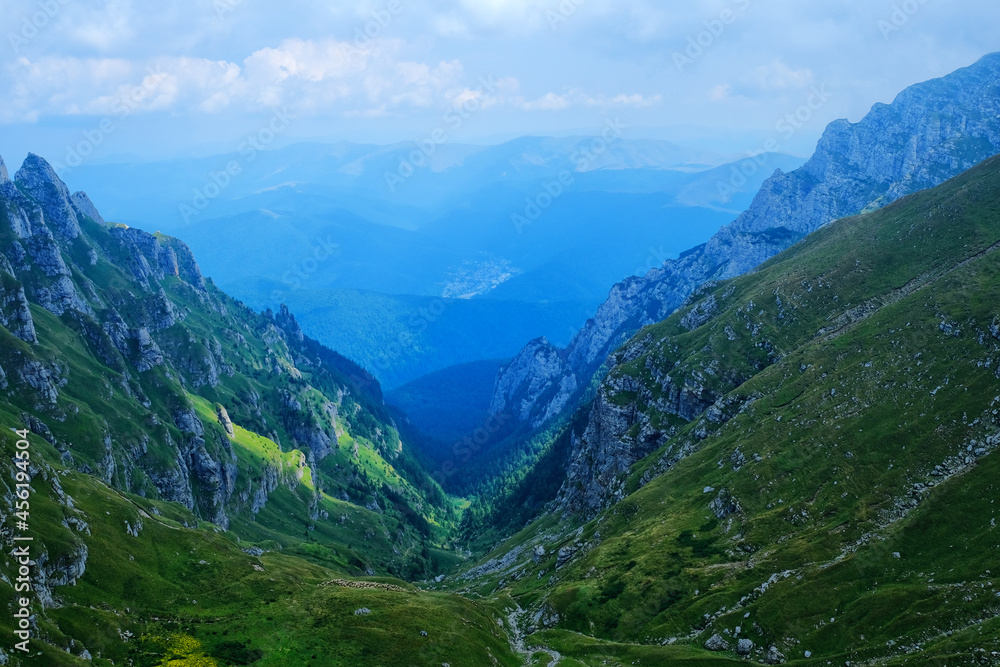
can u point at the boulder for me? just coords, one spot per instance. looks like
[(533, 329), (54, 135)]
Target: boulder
[(716, 643)]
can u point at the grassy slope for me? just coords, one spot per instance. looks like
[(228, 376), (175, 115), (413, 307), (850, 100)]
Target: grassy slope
[(822, 461), (315, 525), (192, 594)]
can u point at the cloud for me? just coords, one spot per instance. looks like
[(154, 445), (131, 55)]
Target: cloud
[(607, 56), (776, 76), (719, 92), (314, 77), (547, 102), (575, 98)]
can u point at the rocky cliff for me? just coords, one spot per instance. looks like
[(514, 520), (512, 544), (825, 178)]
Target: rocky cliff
[(138, 370), (799, 465), (931, 132)]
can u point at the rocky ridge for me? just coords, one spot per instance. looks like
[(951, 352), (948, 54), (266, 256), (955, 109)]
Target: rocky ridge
[(931, 132), (160, 334)]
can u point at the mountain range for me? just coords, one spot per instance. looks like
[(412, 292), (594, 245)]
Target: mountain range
[(317, 227), (778, 448), (931, 132)]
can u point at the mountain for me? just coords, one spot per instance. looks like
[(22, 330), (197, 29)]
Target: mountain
[(353, 177), (199, 482), (799, 465), (536, 225), (931, 132), (401, 338)]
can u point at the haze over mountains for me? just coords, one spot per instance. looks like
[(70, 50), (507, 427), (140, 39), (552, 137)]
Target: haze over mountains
[(517, 240), (932, 131), (778, 445)]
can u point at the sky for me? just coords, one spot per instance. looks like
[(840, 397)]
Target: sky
[(113, 80)]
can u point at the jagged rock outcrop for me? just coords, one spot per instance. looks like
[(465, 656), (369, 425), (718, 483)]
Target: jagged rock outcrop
[(286, 322), (314, 438), (50, 573), (42, 378), (149, 354), (85, 206), (140, 345), (15, 314), (225, 421), (931, 132), (537, 376), (41, 181)]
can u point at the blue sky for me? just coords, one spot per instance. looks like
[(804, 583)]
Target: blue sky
[(194, 77)]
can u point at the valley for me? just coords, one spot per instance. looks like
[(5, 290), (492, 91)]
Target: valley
[(324, 427)]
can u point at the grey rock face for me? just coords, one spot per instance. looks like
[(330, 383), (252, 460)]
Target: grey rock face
[(535, 386), (257, 495), (38, 178), (226, 422), (15, 314), (4, 176), (41, 378), (188, 422), (620, 430), (142, 253), (744, 647), (85, 206), (149, 353), (566, 554), (930, 133), (178, 260), (774, 656), (65, 571), (286, 322), (716, 643), (215, 479), (313, 438)]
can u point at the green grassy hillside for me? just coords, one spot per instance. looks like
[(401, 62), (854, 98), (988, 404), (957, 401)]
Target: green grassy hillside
[(814, 465), (198, 470), (182, 592)]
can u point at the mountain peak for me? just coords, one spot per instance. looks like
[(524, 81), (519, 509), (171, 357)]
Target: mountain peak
[(41, 181), (36, 168), (4, 176)]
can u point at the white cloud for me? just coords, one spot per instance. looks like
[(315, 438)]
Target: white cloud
[(776, 76), (547, 102), (575, 98), (312, 76), (719, 92)]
